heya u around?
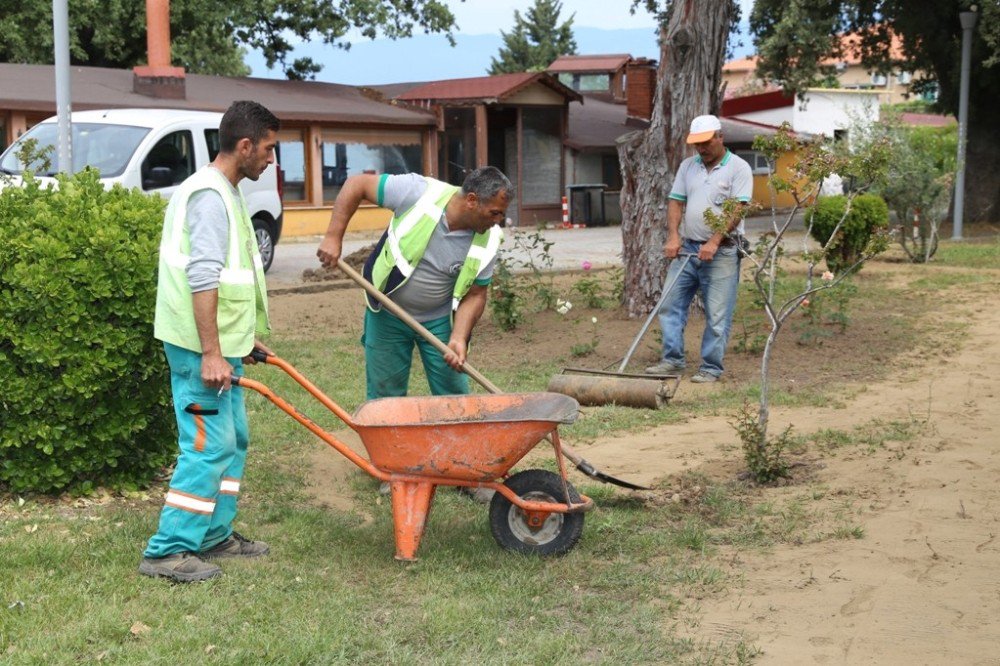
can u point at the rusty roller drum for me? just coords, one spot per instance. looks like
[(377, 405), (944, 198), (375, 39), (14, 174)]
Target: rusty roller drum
[(593, 387)]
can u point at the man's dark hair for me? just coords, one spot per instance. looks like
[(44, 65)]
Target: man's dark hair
[(245, 120), (486, 183)]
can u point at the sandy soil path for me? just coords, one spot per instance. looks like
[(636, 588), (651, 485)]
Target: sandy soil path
[(922, 586)]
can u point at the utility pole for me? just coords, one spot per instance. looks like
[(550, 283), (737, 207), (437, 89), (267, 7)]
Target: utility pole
[(968, 20), (64, 104)]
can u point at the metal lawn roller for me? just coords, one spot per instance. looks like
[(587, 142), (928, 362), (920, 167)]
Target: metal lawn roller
[(419, 443)]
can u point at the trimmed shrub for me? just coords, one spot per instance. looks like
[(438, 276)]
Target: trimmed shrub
[(84, 388), (868, 217)]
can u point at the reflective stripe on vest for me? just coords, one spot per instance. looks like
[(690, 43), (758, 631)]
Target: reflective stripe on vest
[(408, 235), (429, 206), (484, 248)]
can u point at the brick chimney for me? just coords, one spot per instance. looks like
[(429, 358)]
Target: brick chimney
[(158, 78), (640, 87)]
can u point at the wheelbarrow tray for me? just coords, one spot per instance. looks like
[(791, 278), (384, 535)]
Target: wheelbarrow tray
[(464, 437)]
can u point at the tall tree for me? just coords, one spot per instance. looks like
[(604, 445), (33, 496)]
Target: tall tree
[(533, 43), (693, 40), (796, 37), (212, 37)]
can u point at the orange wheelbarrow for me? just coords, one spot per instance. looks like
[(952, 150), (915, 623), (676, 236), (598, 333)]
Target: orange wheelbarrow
[(419, 443)]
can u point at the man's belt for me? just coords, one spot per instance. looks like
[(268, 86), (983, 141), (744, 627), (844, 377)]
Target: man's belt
[(732, 240)]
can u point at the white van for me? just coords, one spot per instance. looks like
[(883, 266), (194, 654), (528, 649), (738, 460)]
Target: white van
[(154, 150)]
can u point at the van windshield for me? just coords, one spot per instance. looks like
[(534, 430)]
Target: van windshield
[(106, 148)]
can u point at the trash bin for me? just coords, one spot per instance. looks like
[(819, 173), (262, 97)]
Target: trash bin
[(586, 203)]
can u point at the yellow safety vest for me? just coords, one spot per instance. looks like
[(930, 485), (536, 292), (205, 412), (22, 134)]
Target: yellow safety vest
[(242, 311), (407, 237)]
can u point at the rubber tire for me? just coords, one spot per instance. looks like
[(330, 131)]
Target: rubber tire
[(265, 241), (561, 531)]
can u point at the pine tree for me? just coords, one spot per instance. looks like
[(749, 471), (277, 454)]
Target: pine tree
[(535, 41)]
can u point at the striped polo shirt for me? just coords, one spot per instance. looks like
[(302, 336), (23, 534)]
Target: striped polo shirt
[(700, 190)]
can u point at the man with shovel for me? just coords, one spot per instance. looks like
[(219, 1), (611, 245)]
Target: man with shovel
[(435, 261), (704, 182)]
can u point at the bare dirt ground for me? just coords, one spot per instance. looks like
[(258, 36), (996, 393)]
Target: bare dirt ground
[(922, 585)]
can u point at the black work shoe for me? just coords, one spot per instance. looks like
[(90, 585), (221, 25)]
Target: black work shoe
[(179, 567), (236, 545)]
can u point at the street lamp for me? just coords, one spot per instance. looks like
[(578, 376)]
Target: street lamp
[(968, 20), (60, 38)]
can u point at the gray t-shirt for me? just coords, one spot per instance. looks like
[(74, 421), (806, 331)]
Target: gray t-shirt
[(208, 229), (698, 189), (427, 294)]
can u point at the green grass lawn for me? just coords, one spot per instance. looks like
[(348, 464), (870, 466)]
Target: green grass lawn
[(332, 593)]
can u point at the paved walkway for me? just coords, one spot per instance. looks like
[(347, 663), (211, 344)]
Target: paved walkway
[(601, 246)]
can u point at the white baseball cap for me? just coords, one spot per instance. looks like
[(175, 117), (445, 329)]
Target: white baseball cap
[(703, 128)]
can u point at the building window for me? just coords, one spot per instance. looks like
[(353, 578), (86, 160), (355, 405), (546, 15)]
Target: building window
[(290, 153), (757, 161), (611, 172), (586, 82), (348, 153), (904, 78), (458, 145), (541, 155), (879, 79)]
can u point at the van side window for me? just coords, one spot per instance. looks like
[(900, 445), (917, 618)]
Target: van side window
[(212, 141), (169, 162)]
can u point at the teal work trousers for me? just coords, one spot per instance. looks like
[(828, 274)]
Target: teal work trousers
[(389, 346), (212, 433)]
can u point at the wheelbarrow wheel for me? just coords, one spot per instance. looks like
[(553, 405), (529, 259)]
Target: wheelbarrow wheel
[(557, 533)]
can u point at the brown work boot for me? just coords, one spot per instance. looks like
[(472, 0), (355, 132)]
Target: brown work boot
[(179, 567), (236, 545)]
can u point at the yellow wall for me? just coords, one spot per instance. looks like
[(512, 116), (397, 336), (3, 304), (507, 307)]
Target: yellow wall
[(314, 221), (761, 192)]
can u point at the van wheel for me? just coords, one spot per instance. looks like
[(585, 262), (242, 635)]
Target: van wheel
[(265, 241)]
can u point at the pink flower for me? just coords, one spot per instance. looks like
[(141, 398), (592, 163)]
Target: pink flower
[(586, 265), (805, 302), (827, 276)]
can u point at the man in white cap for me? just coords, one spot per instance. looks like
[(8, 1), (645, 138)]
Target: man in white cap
[(704, 182)]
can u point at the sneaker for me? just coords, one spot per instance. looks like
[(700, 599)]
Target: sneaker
[(478, 495), (664, 368), (703, 377), (179, 567), (236, 545)]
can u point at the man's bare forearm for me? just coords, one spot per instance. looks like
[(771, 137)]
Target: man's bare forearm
[(206, 309)]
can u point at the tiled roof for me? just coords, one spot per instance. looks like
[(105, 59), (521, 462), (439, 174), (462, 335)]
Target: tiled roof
[(589, 63), (741, 65), (850, 44), (484, 88), (32, 88)]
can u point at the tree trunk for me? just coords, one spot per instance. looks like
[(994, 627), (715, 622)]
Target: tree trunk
[(692, 52)]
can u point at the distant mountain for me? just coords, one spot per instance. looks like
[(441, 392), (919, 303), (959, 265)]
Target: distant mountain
[(430, 57)]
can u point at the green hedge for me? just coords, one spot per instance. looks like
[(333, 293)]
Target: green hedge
[(84, 389), (869, 215)]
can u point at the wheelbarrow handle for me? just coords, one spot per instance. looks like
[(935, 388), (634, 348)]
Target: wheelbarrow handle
[(258, 355), (480, 379)]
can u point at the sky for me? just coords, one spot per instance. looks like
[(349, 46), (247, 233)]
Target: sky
[(599, 26)]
